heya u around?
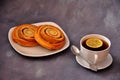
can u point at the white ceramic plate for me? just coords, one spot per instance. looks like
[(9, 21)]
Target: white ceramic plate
[(37, 51), (100, 66)]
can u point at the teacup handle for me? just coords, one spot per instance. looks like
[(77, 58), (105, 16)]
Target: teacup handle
[(78, 52), (95, 58)]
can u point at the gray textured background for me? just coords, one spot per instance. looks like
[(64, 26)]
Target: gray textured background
[(77, 18)]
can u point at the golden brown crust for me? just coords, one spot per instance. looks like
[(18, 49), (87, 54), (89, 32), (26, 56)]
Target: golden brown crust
[(24, 35), (50, 37)]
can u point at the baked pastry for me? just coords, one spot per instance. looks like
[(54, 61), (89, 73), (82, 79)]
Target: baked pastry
[(24, 35), (50, 37)]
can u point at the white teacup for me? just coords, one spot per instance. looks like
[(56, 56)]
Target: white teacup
[(93, 56)]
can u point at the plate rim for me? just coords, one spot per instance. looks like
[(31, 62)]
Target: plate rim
[(31, 55)]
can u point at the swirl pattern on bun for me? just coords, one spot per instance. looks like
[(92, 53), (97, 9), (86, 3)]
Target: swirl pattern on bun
[(50, 37), (24, 35)]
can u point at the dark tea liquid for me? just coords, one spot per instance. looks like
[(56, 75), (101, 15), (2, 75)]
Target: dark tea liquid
[(104, 46)]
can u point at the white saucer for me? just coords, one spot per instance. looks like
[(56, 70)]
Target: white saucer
[(102, 65)]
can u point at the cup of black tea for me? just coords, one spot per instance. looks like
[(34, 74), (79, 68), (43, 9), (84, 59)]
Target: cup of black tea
[(95, 48)]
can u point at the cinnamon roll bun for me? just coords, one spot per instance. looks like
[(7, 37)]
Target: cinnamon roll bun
[(50, 37), (24, 35)]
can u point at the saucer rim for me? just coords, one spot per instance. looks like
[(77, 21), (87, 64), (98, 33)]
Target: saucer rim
[(99, 68)]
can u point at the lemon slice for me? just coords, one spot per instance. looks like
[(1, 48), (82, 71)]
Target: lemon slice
[(94, 42)]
